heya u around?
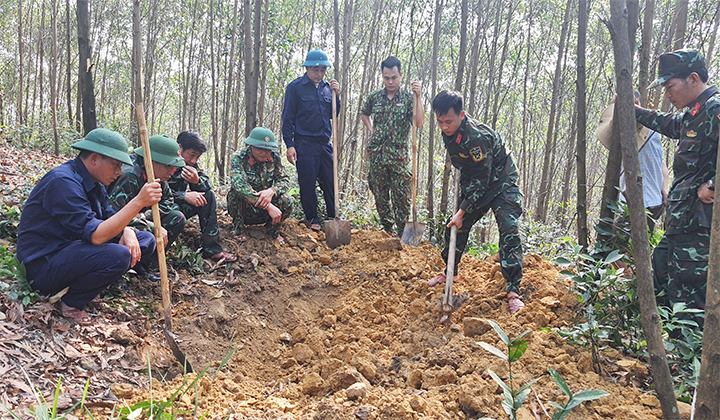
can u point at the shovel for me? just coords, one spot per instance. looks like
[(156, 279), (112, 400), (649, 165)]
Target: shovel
[(160, 245), (413, 232), (451, 303), (337, 232)]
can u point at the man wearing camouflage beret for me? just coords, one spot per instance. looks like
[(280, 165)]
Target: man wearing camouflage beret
[(70, 237), (166, 159), (680, 261), (259, 186)]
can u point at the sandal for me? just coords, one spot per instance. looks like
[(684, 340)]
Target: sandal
[(225, 256), (74, 314), (440, 279), (515, 302), (281, 240), (316, 227), (240, 237)]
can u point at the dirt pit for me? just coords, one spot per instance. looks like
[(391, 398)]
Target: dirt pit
[(355, 332)]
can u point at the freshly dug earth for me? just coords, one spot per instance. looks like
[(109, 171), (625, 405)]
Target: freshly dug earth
[(355, 333)]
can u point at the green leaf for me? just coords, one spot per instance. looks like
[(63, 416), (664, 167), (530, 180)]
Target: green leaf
[(517, 349), (590, 395), (499, 381), (562, 262), (492, 349), (500, 332), (521, 335), (560, 382), (614, 256)]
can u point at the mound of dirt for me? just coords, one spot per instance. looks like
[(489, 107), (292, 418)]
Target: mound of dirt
[(355, 332)]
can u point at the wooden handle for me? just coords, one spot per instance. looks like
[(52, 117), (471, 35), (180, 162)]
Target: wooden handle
[(335, 152), (414, 157), (450, 266)]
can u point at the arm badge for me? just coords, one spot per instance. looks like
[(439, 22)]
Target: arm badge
[(477, 153)]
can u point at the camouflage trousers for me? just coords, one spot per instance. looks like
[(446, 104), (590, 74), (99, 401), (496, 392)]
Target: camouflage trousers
[(390, 183), (507, 207), (680, 266), (207, 215), (173, 222), (243, 213)]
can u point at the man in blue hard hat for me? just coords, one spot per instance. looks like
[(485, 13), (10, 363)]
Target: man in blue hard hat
[(70, 237), (306, 130)]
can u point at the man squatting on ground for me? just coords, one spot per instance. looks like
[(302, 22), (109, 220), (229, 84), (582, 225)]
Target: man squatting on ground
[(389, 178), (69, 236), (488, 180), (200, 199), (165, 160), (680, 260), (259, 186), (306, 130)]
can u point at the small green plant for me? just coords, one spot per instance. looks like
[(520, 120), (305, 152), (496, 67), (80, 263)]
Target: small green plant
[(186, 257), (683, 343), (44, 410), (514, 399), (562, 411), (18, 288), (9, 221)]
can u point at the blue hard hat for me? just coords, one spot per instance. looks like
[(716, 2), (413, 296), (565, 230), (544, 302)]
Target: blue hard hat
[(316, 58)]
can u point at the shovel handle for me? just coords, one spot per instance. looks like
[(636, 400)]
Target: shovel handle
[(414, 157), (335, 152), (450, 266)]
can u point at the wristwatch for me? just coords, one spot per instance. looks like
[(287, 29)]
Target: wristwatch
[(711, 185)]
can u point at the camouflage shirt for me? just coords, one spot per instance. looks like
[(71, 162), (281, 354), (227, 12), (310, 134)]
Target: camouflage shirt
[(248, 176), (392, 119), (486, 168), (129, 184), (694, 163), (179, 186)]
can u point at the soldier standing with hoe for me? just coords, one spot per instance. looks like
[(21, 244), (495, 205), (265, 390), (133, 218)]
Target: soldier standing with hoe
[(488, 180), (391, 109)]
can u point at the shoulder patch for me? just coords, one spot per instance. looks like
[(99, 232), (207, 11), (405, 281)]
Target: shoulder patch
[(477, 154)]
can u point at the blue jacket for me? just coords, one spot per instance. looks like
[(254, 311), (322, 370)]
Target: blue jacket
[(65, 206), (307, 111)]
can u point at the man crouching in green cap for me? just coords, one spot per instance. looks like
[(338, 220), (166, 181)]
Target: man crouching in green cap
[(70, 237), (259, 186), (166, 159)]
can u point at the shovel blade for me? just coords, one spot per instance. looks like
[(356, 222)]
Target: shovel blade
[(179, 355), (337, 233), (413, 233)]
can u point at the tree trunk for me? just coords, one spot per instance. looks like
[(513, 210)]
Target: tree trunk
[(263, 75), (21, 64), (85, 69), (581, 150), (431, 139), (458, 87), (708, 390), (625, 116), (678, 35), (474, 57), (526, 117), (544, 192), (68, 76), (501, 67), (645, 49), (213, 88), (713, 37), (229, 87), (491, 65), (149, 75), (53, 76), (251, 82)]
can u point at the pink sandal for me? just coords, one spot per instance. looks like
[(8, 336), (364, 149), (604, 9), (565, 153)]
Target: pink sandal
[(515, 302)]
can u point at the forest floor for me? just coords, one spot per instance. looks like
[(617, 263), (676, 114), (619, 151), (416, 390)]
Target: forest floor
[(302, 325)]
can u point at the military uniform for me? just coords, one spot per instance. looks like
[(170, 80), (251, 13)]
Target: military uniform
[(207, 214), (247, 177), (389, 177), (128, 185), (680, 261), (488, 180)]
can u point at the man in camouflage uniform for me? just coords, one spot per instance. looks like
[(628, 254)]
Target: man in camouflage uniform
[(200, 199), (166, 159), (488, 180), (259, 186), (389, 179), (680, 261)]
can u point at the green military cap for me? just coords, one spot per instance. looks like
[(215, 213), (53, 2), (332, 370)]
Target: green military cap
[(316, 58), (107, 143), (263, 138), (677, 63), (164, 150)]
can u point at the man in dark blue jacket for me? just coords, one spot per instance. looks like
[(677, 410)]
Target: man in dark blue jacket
[(306, 130), (70, 237)]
